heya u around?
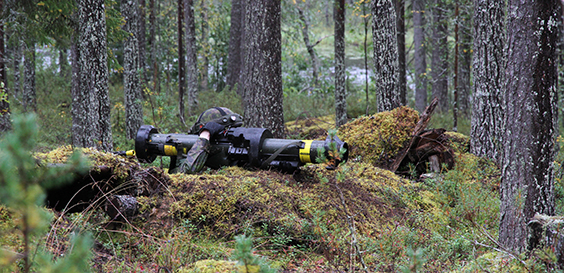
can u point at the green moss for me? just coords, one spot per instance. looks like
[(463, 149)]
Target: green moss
[(378, 138), (211, 266), (119, 165), (458, 142)]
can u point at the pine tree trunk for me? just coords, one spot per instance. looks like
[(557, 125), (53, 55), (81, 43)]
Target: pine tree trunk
[(29, 94), (400, 26), (5, 123), (131, 80), (142, 42), (191, 56), (17, 58), (465, 58), (204, 74), (420, 53), (94, 118), (340, 77), (153, 46), (489, 79), (527, 184), (181, 60), (439, 61), (385, 55), (235, 45), (262, 68)]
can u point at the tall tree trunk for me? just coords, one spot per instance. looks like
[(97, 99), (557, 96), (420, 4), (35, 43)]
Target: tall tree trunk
[(181, 59), (191, 57), (309, 46), (465, 58), (527, 183), (204, 74), (385, 55), (141, 33), (262, 68), (420, 55), (400, 26), (153, 44), (439, 61), (340, 77), (29, 94), (95, 127), (5, 123), (17, 58), (486, 134), (131, 81), (234, 57)]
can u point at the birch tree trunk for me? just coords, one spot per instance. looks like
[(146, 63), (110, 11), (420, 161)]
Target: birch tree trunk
[(385, 55), (131, 81), (527, 184), (262, 68), (439, 60), (486, 134), (340, 90), (420, 53), (92, 127)]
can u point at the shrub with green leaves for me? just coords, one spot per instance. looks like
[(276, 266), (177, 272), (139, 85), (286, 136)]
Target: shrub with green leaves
[(23, 181)]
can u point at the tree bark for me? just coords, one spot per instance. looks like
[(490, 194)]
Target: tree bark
[(92, 127), (191, 56), (527, 183), (142, 41), (29, 94), (465, 58), (400, 26), (385, 55), (487, 129), (420, 53), (439, 61), (181, 59), (309, 46), (234, 57), (204, 74), (262, 69), (5, 123), (131, 80), (340, 90)]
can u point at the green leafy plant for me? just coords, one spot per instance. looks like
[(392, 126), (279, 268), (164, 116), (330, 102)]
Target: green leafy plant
[(23, 181), (249, 261)]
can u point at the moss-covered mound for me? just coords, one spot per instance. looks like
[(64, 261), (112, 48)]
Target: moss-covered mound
[(310, 127), (301, 206), (377, 139)]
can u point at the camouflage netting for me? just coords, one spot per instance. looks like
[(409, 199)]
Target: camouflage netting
[(377, 139)]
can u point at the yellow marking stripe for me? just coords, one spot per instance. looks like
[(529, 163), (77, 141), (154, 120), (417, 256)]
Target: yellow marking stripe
[(305, 152)]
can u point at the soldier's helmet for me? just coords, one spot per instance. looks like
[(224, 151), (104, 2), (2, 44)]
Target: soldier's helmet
[(221, 115)]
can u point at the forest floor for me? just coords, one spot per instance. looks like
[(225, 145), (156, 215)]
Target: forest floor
[(360, 217)]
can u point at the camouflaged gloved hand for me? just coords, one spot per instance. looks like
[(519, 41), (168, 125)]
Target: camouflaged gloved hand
[(213, 127), (195, 159)]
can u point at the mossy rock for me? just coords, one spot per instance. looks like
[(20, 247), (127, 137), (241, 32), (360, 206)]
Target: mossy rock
[(377, 139)]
